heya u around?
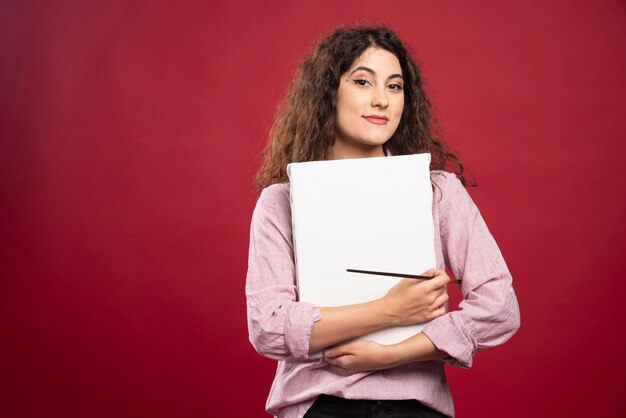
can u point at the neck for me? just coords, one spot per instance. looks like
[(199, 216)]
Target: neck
[(339, 152)]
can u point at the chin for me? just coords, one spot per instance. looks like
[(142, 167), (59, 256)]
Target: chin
[(376, 141)]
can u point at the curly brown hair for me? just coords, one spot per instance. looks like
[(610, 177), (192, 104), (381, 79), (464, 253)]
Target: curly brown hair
[(304, 127)]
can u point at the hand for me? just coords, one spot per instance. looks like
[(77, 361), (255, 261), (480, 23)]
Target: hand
[(360, 356), (414, 301)]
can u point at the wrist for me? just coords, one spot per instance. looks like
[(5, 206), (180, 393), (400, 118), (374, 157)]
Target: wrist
[(386, 313), (395, 355), (418, 348)]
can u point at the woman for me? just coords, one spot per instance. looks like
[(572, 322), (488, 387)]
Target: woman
[(360, 95)]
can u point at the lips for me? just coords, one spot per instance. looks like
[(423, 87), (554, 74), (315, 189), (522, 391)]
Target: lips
[(377, 119)]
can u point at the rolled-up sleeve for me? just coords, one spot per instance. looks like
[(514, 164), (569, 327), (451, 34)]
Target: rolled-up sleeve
[(489, 314), (279, 326)]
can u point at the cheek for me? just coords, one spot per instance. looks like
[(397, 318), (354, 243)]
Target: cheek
[(344, 123), (350, 105), (400, 106), (397, 110), (398, 113), (348, 110)]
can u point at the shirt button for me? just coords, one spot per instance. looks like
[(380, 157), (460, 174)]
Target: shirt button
[(252, 304)]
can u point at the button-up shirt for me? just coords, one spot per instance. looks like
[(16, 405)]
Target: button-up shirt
[(280, 326)]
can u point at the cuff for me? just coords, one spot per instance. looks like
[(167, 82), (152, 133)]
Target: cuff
[(448, 333), (298, 329)]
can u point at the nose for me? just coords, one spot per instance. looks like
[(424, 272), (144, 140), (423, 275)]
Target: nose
[(379, 98)]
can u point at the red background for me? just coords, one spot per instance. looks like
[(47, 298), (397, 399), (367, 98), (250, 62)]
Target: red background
[(129, 135)]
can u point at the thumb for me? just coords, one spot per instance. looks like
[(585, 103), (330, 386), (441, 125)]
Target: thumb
[(340, 350), (429, 272)]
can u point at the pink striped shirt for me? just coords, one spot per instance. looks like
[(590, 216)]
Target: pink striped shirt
[(279, 326)]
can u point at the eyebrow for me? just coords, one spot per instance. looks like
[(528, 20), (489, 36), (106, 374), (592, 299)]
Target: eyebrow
[(369, 70)]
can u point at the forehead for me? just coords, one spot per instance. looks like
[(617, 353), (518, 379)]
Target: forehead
[(377, 59)]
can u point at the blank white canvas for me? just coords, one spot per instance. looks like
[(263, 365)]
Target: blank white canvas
[(367, 214)]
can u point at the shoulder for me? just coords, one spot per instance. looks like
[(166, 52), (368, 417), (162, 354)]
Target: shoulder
[(274, 201), (277, 193), (449, 194), (445, 181)]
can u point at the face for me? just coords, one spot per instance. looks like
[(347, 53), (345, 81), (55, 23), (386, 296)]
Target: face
[(370, 99)]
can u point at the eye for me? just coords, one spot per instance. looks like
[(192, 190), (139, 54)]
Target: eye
[(395, 86), (361, 82)]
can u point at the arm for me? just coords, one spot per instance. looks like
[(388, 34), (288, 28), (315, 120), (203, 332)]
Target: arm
[(361, 356), (488, 314), (281, 327), (358, 356), (408, 302), (278, 326)]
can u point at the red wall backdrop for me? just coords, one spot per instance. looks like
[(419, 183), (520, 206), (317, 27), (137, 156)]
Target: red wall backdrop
[(129, 135)]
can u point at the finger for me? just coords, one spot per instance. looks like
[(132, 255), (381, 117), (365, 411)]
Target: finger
[(337, 351), (332, 360), (439, 281), (341, 361), (434, 273), (438, 312), (440, 301), (429, 272)]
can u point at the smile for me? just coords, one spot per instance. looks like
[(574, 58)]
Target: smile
[(377, 120)]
